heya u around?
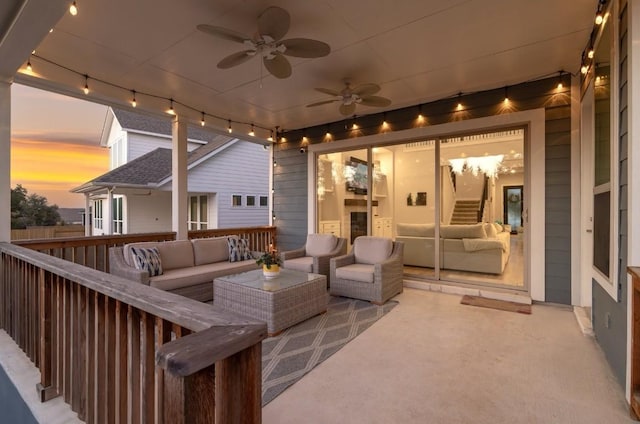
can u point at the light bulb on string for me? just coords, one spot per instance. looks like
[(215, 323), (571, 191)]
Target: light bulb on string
[(591, 53), (270, 136), (252, 132), (29, 68), (73, 9), (584, 69), (229, 129), (134, 103), (202, 120), (86, 84), (171, 111)]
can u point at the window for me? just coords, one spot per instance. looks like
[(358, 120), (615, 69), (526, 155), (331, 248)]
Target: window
[(117, 154), (97, 214), (264, 201), (118, 218), (251, 200), (236, 200), (198, 212)]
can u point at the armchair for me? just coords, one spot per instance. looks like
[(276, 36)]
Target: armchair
[(371, 271), (315, 255)]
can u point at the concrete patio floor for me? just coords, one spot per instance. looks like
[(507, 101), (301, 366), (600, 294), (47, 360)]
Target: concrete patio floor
[(433, 360)]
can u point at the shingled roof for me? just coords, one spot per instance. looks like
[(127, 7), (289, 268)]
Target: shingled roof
[(138, 122), (151, 169)]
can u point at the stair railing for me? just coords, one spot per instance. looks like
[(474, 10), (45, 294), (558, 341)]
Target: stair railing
[(485, 193)]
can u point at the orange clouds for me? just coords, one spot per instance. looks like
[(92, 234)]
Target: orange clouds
[(51, 169)]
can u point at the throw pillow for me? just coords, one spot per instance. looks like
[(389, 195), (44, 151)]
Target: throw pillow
[(238, 249), (147, 259)]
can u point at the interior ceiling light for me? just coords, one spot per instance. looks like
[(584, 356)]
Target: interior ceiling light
[(506, 94), (73, 9), (459, 107), (560, 80)]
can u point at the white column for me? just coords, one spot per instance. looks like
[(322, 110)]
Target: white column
[(107, 213), (179, 188), (5, 161), (87, 215)]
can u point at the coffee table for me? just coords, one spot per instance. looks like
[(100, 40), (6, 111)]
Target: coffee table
[(281, 302)]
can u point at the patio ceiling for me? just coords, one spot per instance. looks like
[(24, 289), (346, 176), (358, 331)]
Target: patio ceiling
[(416, 50)]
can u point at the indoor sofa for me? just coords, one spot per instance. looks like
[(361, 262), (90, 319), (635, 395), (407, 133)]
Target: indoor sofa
[(188, 267), (482, 247)]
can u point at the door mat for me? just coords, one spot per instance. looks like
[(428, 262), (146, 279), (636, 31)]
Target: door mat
[(502, 305)]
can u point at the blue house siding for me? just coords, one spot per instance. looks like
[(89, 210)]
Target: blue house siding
[(609, 316)]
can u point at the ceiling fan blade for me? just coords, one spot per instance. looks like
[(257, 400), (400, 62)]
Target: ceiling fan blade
[(347, 109), (323, 103), (274, 22), (328, 91), (279, 66), (364, 90), (375, 101), (236, 59), (305, 47), (224, 33)]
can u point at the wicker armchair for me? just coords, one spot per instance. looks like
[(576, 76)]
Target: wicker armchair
[(315, 255), (371, 271)]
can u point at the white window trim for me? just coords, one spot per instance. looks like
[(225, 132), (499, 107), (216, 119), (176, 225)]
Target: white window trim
[(199, 219)]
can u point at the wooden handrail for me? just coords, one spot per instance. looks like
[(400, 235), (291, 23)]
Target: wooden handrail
[(96, 337)]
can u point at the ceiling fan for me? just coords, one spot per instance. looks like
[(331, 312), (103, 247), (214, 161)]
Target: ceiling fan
[(273, 24), (349, 97)]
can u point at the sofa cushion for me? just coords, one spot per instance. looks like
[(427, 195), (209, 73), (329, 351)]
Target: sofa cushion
[(238, 249), (210, 250), (304, 264), (320, 244), (147, 259), (498, 227), (372, 250), (357, 272), (176, 254), (415, 230), (128, 255), (185, 277), (463, 231), (490, 229)]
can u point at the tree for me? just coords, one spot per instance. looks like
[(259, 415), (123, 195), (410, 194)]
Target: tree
[(31, 209)]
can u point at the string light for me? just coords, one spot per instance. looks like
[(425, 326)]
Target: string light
[(29, 68), (73, 9), (202, 120), (270, 137), (252, 133), (171, 111), (599, 17), (591, 53), (584, 69), (229, 129), (133, 99), (86, 84)]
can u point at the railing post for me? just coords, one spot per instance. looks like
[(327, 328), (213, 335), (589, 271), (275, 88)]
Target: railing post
[(190, 399), (45, 388), (239, 387)]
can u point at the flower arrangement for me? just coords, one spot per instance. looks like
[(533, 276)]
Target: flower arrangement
[(269, 258)]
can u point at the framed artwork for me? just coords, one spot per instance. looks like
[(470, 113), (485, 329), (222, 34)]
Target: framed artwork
[(421, 198)]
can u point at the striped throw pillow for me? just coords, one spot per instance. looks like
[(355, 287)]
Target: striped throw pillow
[(147, 259), (238, 249)]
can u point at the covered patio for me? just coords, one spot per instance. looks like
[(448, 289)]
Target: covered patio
[(448, 69)]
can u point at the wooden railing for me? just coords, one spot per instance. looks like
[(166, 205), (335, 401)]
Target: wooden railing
[(121, 352), (93, 252)]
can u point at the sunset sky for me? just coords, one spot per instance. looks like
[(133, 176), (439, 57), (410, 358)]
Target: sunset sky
[(55, 144)]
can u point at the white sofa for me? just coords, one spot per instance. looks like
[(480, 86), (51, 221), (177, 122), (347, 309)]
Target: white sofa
[(188, 266), (477, 248)]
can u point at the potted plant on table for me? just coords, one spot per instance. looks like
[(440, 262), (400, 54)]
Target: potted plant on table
[(270, 261)]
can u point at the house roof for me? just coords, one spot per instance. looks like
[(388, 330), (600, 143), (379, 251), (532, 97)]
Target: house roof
[(151, 169), (134, 121)]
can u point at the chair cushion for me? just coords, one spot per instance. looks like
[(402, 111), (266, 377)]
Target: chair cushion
[(238, 249), (320, 244), (372, 250), (210, 250), (147, 259), (490, 229), (304, 264), (357, 272), (459, 231)]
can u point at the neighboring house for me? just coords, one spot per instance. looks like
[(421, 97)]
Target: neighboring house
[(71, 215), (228, 179)]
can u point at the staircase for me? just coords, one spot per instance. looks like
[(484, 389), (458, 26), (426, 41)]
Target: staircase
[(465, 212)]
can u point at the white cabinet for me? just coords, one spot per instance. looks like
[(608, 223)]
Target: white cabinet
[(382, 227), (329, 227)]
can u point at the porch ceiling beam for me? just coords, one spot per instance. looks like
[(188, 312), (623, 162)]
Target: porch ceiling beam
[(23, 25)]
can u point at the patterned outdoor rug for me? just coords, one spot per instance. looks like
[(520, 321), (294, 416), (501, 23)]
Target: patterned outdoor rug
[(290, 355)]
